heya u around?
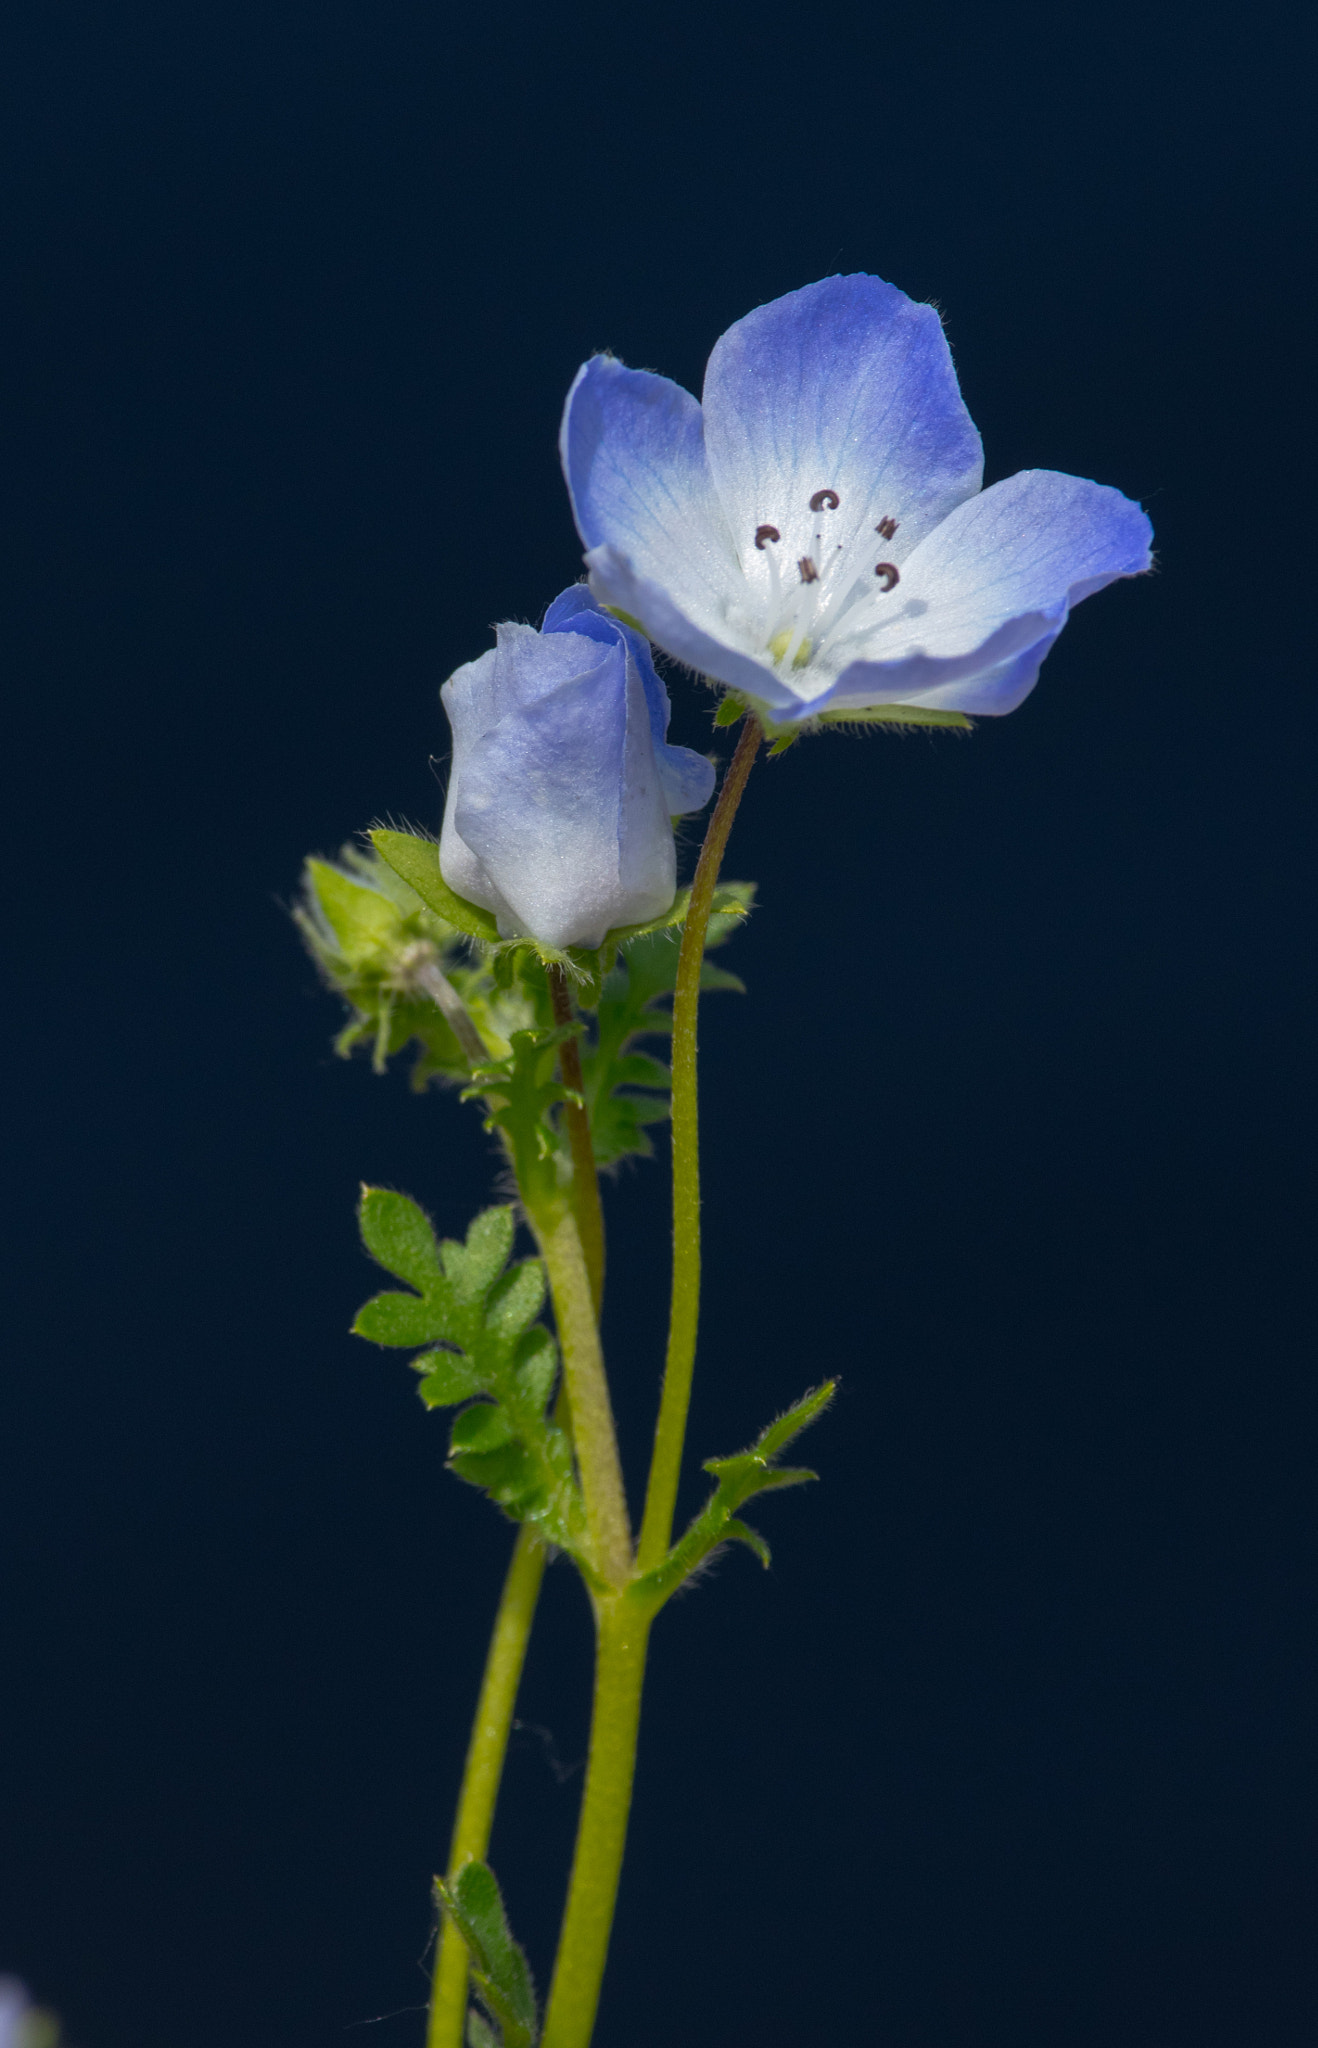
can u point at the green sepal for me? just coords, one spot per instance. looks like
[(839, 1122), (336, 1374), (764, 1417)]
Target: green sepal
[(731, 899), (477, 1313), (417, 861), (898, 714), (499, 1969), (739, 1477), (730, 709), (480, 2034)]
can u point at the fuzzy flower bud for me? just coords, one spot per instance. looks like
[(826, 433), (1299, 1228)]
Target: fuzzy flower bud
[(563, 785)]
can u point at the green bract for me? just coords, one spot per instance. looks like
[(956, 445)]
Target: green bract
[(499, 1969)]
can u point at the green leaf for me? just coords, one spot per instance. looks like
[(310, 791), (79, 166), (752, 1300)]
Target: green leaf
[(537, 1369), (499, 1968), (474, 1267), (480, 1313), (481, 1428), (740, 1532), (401, 1320), (480, 2034), (517, 1299), (519, 1093), (446, 1378), (749, 1472), (417, 861), (398, 1236), (632, 1005)]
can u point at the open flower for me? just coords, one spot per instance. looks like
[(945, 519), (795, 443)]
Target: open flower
[(815, 536), (563, 784)]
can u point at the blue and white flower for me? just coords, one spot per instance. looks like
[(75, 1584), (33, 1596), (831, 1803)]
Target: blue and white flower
[(16, 2014), (563, 785), (815, 534)]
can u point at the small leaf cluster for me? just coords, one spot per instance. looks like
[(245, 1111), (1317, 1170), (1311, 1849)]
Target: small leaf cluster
[(520, 1093), (476, 1315), (376, 942), (379, 922), (500, 1973), (625, 1087), (738, 1478)]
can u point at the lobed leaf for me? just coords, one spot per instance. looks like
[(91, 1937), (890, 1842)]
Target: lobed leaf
[(625, 1087), (401, 1320), (476, 1265), (398, 1236), (446, 1378), (739, 1478), (478, 1316), (517, 1299)]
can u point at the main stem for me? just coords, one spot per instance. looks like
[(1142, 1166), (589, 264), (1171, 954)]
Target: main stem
[(670, 1430), (554, 1223), (623, 1629), (484, 1768), (622, 1621), (488, 1745)]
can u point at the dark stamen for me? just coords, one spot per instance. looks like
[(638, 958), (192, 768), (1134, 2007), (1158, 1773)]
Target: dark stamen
[(763, 533), (887, 527), (825, 498), (809, 573), (889, 574)]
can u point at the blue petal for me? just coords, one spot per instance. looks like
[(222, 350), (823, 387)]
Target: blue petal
[(845, 387), (673, 628), (559, 804), (687, 778), (986, 595), (634, 459)]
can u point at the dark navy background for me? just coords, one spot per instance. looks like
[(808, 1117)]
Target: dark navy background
[(1014, 1748)]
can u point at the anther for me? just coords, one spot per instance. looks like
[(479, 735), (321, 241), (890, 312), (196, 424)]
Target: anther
[(889, 574), (763, 533), (887, 527), (825, 500), (809, 573)]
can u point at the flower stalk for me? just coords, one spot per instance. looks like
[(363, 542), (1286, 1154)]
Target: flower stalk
[(482, 1773), (675, 1400)]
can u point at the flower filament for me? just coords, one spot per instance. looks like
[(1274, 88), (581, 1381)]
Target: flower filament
[(805, 612)]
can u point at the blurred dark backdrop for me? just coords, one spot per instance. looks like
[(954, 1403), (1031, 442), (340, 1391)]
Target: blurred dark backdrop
[(1014, 1746)]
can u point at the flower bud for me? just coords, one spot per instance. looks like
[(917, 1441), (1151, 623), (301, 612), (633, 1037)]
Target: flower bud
[(563, 785)]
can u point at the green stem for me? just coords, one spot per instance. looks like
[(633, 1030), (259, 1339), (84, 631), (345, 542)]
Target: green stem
[(622, 1634), (585, 1176), (593, 1439), (484, 1768), (670, 1431)]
